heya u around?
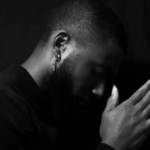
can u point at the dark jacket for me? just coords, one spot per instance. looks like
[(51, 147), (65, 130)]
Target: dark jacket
[(22, 127)]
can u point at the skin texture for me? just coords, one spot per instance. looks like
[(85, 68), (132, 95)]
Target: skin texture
[(84, 75), (80, 76), (84, 71), (95, 67), (126, 126)]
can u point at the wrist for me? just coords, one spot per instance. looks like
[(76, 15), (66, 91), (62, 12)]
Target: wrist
[(103, 146), (111, 144)]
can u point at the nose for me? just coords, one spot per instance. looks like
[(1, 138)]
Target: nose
[(99, 90)]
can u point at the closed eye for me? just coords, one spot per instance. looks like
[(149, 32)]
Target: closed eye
[(103, 71), (99, 72)]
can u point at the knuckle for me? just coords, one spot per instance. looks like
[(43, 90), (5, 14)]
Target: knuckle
[(148, 93), (146, 97), (137, 109), (134, 96), (148, 82), (127, 103)]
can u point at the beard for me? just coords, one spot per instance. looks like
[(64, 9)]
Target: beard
[(59, 90), (62, 103)]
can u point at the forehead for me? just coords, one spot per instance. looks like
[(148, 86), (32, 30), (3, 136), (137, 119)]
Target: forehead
[(108, 54)]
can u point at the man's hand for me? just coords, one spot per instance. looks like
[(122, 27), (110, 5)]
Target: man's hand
[(125, 126)]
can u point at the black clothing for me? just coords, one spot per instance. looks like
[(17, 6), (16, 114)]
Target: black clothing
[(22, 127)]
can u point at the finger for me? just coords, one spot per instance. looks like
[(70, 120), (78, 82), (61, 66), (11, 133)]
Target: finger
[(148, 124), (144, 102), (138, 95), (113, 100), (146, 112), (138, 142), (142, 135)]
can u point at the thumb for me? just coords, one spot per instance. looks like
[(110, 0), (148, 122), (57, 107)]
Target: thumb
[(113, 99)]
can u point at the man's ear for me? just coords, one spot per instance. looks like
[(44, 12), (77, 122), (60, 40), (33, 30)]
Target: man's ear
[(60, 43)]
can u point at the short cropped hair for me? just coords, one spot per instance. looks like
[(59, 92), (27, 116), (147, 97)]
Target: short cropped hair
[(86, 21)]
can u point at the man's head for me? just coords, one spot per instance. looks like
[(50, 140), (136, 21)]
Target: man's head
[(86, 21), (79, 53)]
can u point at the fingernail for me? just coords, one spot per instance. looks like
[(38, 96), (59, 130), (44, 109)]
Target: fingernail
[(114, 92)]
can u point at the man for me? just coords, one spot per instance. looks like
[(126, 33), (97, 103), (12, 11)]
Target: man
[(78, 55)]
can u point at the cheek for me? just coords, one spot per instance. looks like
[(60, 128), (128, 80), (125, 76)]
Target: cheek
[(79, 84), (83, 81)]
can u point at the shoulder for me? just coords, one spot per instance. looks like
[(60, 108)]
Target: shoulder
[(16, 125), (13, 110)]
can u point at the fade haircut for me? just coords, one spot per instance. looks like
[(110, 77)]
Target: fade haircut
[(86, 21)]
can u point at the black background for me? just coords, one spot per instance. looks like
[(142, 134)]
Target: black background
[(21, 25)]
